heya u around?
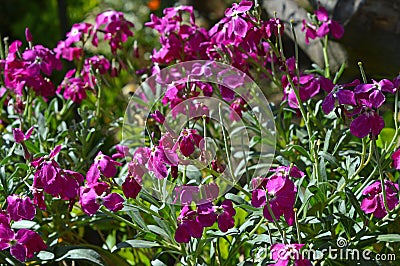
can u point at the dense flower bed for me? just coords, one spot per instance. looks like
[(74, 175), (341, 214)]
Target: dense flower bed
[(199, 169)]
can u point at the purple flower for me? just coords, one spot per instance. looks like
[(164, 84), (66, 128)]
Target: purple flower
[(188, 226), (106, 165), (328, 25), (28, 70), (368, 123), (158, 116), (131, 187), (113, 202), (115, 27), (309, 86), (373, 201), (42, 59), (322, 26), (180, 39), (225, 219), (89, 200), (370, 95), (20, 208), (22, 244), (50, 178), (281, 194), (206, 214), (284, 253), (77, 32), (288, 171), (96, 194), (122, 151), (396, 159), (74, 87), (28, 35), (188, 141), (19, 136), (159, 158), (310, 29), (337, 92), (186, 194), (69, 53)]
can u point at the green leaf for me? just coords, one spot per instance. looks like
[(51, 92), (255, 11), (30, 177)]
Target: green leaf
[(235, 198), (331, 159), (389, 238), (385, 137), (136, 243), (45, 255), (300, 149), (78, 253), (355, 203), (158, 230)]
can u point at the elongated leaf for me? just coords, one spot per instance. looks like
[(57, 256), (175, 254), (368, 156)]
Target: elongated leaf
[(389, 238), (158, 230), (136, 243), (354, 202), (78, 253), (331, 159)]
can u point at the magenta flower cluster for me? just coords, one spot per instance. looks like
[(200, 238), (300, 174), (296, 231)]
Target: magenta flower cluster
[(191, 223), (33, 67), (277, 193), (24, 243)]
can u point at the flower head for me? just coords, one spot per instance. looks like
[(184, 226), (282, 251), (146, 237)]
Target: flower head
[(374, 202), (20, 208), (367, 123), (284, 253), (20, 136), (115, 27), (22, 244)]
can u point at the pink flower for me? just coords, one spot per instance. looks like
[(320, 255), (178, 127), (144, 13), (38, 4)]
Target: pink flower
[(131, 187), (225, 219), (122, 151), (396, 159), (115, 27), (373, 201), (368, 123), (20, 208), (281, 193), (19, 136), (188, 226), (77, 32), (284, 253), (106, 165), (22, 244), (188, 141), (74, 87)]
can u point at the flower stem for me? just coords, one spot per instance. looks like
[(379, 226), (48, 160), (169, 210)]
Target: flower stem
[(364, 77), (121, 219), (378, 161), (297, 225), (327, 73), (274, 218)]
